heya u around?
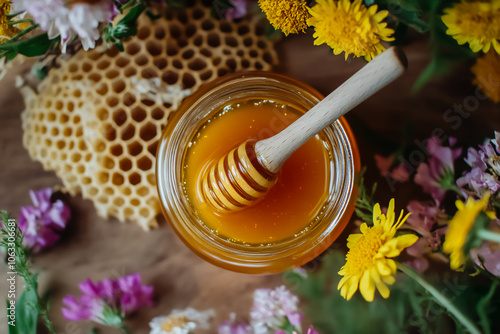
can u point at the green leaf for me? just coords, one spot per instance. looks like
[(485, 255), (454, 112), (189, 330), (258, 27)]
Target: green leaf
[(111, 317), (27, 312), (133, 14), (413, 20), (288, 327), (482, 308), (33, 47), (126, 27), (481, 222), (407, 5)]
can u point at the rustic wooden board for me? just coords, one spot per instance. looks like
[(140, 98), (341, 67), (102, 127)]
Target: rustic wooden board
[(96, 248)]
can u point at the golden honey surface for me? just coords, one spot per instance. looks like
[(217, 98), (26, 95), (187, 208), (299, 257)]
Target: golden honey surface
[(291, 206)]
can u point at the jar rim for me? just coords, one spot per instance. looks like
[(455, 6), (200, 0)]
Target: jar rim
[(234, 256)]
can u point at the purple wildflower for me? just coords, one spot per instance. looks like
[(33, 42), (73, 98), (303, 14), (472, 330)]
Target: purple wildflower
[(311, 330), (272, 308), (41, 222), (431, 224), (490, 254), (479, 181), (109, 301), (239, 10), (437, 175), (491, 157), (485, 169)]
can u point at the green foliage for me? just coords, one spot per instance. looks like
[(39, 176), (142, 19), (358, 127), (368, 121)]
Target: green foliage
[(331, 313), (409, 309), (472, 240), (446, 52), (408, 13), (27, 312), (364, 202), (482, 308), (29, 306), (124, 28), (32, 47)]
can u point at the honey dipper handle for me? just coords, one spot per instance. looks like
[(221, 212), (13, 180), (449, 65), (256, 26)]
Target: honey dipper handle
[(378, 73)]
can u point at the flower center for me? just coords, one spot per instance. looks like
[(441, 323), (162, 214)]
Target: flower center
[(172, 322), (480, 23), (362, 254)]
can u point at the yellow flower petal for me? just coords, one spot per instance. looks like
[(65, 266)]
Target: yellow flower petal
[(289, 16), (474, 22), (383, 268), (349, 27), (367, 287), (368, 264), (487, 73), (459, 227)]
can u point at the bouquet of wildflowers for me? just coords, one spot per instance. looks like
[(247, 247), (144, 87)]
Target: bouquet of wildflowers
[(403, 257), (459, 30)]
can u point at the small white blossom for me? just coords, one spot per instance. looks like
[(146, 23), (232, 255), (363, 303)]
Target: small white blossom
[(79, 19), (272, 308), (181, 321)]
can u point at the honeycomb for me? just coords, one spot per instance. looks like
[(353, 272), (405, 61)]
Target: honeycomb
[(97, 118)]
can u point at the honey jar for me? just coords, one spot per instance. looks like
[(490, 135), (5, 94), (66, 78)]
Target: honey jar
[(301, 215)]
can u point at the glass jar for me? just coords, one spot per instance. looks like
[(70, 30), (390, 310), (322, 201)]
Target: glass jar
[(280, 255)]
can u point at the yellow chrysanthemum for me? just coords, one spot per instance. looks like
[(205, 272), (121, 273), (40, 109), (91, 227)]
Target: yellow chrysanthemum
[(459, 227), (350, 27), (4, 11), (476, 23), (289, 16), (487, 75), (368, 262)]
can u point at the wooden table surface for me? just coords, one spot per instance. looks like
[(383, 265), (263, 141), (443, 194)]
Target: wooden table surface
[(95, 248)]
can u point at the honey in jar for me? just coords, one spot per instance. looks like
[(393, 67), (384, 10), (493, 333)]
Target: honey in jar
[(301, 215), (295, 201)]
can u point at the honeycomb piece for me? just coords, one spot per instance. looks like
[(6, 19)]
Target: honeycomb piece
[(98, 117)]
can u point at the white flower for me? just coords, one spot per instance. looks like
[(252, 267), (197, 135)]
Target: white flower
[(77, 20), (271, 308), (181, 321)]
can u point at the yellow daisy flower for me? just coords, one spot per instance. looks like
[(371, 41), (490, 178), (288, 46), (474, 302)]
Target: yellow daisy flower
[(350, 27), (4, 11), (476, 23), (368, 262), (487, 75), (460, 225), (289, 16)]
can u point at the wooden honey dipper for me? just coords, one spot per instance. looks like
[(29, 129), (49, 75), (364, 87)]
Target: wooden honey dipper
[(245, 174)]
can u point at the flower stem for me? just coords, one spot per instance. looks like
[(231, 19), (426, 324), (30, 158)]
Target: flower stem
[(441, 299), (488, 235), (25, 31), (43, 314), (11, 23), (9, 16)]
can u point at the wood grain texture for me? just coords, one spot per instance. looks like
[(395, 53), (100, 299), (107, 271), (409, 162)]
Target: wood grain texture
[(94, 248)]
